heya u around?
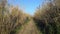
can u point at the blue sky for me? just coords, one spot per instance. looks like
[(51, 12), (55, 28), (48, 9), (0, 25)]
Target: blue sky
[(29, 6)]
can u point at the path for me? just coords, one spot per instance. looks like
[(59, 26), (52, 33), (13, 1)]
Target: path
[(29, 28)]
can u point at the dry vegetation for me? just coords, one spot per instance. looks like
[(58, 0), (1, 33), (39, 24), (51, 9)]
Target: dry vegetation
[(47, 19), (11, 18)]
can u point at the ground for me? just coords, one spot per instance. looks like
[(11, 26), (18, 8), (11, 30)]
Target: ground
[(29, 28)]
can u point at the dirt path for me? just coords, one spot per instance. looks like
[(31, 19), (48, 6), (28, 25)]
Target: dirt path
[(29, 28)]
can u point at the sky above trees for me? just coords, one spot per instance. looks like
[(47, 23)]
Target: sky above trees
[(29, 6)]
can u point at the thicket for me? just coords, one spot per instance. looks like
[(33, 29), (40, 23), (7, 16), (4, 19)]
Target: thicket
[(47, 17), (11, 18)]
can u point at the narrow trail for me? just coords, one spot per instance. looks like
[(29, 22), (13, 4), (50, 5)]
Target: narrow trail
[(29, 28)]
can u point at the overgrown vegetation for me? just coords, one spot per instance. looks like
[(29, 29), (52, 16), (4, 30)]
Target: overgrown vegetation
[(11, 18), (46, 18)]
